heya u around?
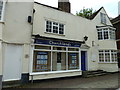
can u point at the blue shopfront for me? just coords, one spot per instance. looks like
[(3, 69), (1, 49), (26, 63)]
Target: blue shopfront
[(53, 55)]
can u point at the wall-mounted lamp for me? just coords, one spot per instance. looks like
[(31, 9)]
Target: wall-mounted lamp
[(85, 38), (33, 10), (29, 19)]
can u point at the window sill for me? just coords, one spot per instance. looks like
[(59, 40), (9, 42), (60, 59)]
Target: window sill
[(53, 72), (107, 62), (107, 40), (54, 34), (2, 22)]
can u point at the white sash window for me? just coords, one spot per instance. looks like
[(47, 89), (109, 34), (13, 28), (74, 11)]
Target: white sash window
[(107, 56), (55, 27)]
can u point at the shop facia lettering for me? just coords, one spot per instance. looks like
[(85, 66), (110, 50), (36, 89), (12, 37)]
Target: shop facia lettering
[(59, 43)]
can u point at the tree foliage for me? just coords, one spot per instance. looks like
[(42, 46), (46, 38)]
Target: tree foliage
[(85, 12)]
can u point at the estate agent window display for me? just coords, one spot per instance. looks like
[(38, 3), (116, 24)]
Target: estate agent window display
[(49, 58)]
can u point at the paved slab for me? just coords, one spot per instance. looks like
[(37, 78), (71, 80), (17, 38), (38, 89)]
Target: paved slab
[(105, 81)]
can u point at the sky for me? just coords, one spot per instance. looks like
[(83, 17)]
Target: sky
[(111, 6)]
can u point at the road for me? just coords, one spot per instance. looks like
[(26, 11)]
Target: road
[(105, 81)]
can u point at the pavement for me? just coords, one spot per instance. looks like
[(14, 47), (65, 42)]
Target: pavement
[(109, 81)]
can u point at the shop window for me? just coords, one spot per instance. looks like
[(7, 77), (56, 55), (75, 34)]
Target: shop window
[(73, 61), (41, 61), (73, 49), (108, 56), (54, 27), (59, 48), (59, 61), (42, 47), (55, 58), (106, 33)]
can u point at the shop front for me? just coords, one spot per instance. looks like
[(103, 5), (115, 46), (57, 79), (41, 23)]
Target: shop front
[(53, 56)]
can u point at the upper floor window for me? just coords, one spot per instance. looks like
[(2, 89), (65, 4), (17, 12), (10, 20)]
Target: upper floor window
[(1, 9), (106, 33), (54, 27), (103, 18)]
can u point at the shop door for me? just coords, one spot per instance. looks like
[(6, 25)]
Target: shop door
[(12, 62), (83, 60), (58, 61)]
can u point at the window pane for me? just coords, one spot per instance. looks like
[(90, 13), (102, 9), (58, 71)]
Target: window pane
[(61, 29), (55, 27), (112, 34), (114, 55), (101, 57), (41, 61), (103, 18), (100, 37), (73, 61), (59, 61), (48, 26), (107, 57), (106, 35)]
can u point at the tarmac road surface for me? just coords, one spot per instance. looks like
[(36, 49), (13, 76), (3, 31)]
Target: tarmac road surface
[(106, 81)]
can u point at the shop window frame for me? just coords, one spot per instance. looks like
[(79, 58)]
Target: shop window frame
[(32, 73)]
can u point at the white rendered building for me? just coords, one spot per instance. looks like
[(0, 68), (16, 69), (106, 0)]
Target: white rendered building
[(39, 42)]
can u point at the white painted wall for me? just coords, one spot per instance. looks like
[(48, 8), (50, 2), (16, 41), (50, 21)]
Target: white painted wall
[(0, 48), (1, 28), (0, 57), (16, 27), (105, 44), (75, 29), (16, 30), (97, 19), (74, 26)]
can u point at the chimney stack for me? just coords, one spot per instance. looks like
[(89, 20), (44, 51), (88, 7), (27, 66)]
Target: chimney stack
[(64, 5)]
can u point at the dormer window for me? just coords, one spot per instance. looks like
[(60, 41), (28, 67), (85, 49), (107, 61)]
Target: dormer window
[(103, 18)]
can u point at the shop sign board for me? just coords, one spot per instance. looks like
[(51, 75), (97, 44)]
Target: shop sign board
[(57, 43)]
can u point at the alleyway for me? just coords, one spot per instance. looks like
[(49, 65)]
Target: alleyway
[(105, 81)]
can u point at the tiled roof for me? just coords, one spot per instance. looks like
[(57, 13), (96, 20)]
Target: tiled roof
[(47, 6), (91, 17), (94, 14), (116, 20)]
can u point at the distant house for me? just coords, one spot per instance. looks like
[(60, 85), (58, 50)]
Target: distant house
[(116, 24), (38, 41)]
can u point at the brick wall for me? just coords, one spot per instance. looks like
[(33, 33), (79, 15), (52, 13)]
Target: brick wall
[(64, 6)]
